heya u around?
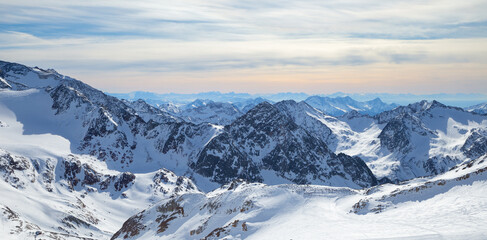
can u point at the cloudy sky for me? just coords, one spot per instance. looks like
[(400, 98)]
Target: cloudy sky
[(256, 46)]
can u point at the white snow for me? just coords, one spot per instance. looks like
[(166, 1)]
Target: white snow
[(450, 207), (17, 136), (5, 82)]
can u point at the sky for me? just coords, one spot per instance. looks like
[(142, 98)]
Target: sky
[(255, 46)]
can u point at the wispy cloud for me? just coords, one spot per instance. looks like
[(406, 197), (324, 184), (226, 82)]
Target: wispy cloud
[(257, 39), (219, 19)]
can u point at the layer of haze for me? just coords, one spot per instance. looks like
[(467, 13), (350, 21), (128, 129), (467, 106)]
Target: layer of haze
[(254, 46)]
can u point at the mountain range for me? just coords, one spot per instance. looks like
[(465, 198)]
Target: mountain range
[(458, 99), (223, 113), (77, 163)]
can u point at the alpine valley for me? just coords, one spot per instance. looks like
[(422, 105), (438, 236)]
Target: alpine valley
[(76, 163)]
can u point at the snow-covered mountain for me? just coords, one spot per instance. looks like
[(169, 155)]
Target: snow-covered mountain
[(340, 105), (230, 97), (451, 99), (76, 163), (209, 111), (136, 137), (266, 145), (101, 125), (181, 98), (479, 108), (148, 112), (400, 144), (309, 119), (448, 206), (224, 113), (420, 139), (456, 99)]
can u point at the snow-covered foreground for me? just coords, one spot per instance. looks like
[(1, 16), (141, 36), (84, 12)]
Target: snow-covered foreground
[(446, 216), (449, 206), (458, 213)]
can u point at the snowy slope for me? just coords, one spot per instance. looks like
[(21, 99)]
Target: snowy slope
[(92, 203), (427, 208)]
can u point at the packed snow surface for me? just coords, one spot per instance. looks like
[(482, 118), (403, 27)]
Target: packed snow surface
[(449, 206)]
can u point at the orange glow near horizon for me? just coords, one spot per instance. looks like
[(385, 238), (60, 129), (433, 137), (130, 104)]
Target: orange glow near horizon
[(392, 78)]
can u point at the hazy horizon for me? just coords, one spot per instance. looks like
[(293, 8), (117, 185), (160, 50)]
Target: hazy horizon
[(291, 92), (458, 99)]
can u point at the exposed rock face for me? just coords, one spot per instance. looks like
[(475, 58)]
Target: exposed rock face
[(476, 144), (237, 164), (122, 181), (307, 118), (395, 136), (13, 169), (130, 228), (265, 138), (164, 177), (79, 175)]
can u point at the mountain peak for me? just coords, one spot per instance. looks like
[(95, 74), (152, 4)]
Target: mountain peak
[(262, 107), (262, 114), (425, 105), (286, 102), (376, 100), (347, 98), (353, 114)]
